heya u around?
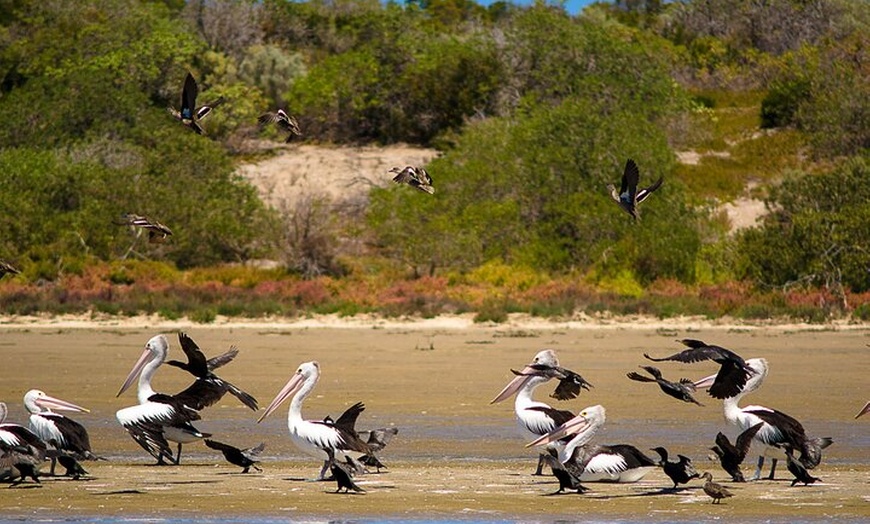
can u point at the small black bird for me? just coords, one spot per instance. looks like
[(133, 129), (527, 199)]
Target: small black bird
[(567, 479), (283, 121), (377, 439), (680, 472), (731, 456), (72, 466), (343, 474), (244, 458), (414, 177), (733, 372), (628, 196), (716, 491), (681, 390), (798, 470), (570, 383), (190, 115)]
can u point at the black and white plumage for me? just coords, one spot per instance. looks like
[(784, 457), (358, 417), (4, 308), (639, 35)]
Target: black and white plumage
[(732, 455), (681, 390), (157, 232), (199, 367), (20, 449), (537, 418), (60, 432), (715, 491), (190, 115), (244, 458), (798, 470), (680, 472), (733, 371), (628, 197), (416, 177), (283, 121), (159, 418), (7, 269), (322, 439), (778, 430), (597, 462)]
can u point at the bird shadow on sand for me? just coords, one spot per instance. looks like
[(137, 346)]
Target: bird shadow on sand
[(658, 492), (120, 492), (185, 482)]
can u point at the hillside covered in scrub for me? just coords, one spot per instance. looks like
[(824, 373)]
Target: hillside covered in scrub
[(523, 115)]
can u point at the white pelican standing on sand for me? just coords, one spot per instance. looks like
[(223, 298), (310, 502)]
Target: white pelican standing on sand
[(537, 418), (158, 417), (595, 462), (778, 430), (62, 433), (319, 439)]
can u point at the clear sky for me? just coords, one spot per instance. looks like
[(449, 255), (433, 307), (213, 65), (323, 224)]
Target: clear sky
[(572, 6)]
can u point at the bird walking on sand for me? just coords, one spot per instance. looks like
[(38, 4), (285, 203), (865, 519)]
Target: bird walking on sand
[(680, 472), (681, 390), (342, 473), (716, 491), (244, 458), (628, 197), (798, 470), (415, 177), (567, 475)]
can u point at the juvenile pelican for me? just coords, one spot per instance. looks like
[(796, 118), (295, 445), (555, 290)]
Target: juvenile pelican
[(317, 438), (595, 462), (62, 433), (537, 418), (778, 429)]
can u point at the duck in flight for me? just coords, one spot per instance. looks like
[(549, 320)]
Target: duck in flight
[(415, 177), (282, 121), (190, 115), (157, 232), (629, 197)]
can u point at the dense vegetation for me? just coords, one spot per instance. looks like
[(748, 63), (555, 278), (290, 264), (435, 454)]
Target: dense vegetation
[(535, 111)]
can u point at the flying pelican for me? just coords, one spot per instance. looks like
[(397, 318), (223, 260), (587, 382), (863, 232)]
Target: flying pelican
[(283, 121), (680, 472), (199, 367), (595, 462), (414, 177), (60, 432), (20, 448), (628, 196), (778, 429), (681, 390), (732, 455), (733, 373), (537, 418), (317, 438), (159, 418), (190, 115)]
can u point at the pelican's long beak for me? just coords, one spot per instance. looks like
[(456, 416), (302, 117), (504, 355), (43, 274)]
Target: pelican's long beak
[(289, 389), (146, 355), (705, 382), (48, 402), (865, 410), (573, 426), (514, 385)]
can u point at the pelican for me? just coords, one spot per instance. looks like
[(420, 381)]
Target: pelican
[(595, 462), (537, 418), (63, 433), (190, 115), (159, 418), (317, 438), (628, 197), (778, 429), (733, 373), (20, 448)]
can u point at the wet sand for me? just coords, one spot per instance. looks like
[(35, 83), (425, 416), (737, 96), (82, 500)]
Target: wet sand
[(456, 456)]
